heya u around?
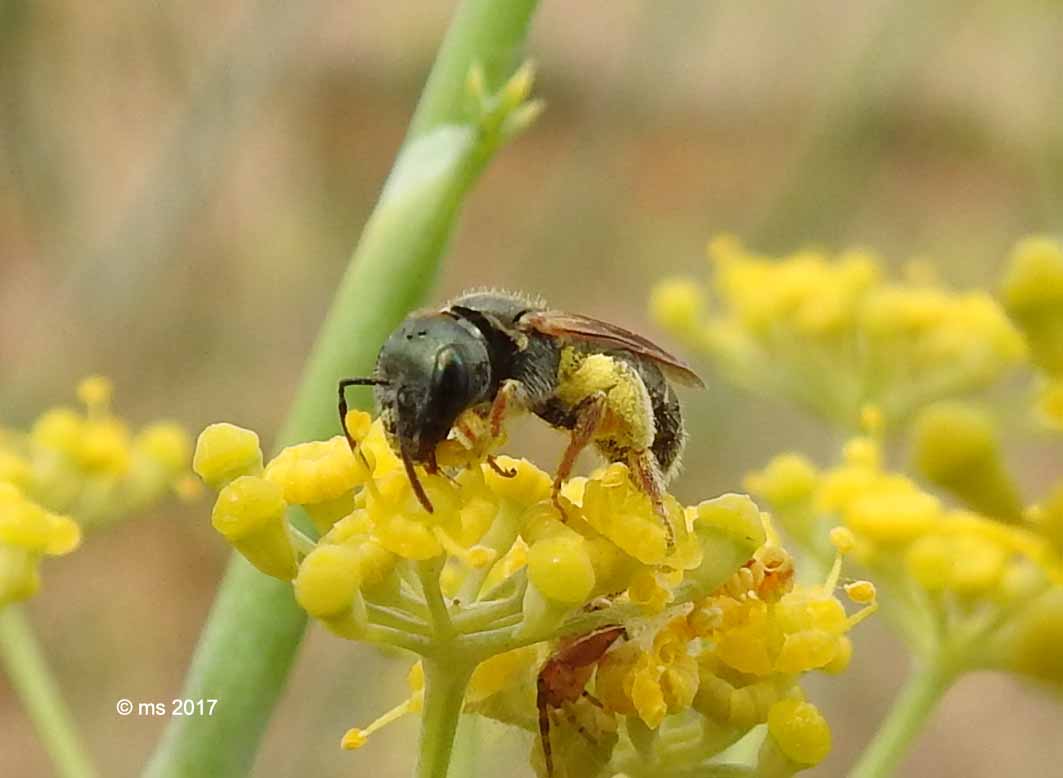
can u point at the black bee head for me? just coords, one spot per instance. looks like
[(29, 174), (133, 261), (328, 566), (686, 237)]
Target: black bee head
[(431, 369)]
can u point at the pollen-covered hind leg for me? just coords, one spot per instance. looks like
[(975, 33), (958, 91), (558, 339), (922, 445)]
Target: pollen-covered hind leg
[(589, 414), (648, 477)]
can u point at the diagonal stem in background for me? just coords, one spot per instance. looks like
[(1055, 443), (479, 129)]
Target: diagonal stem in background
[(254, 628)]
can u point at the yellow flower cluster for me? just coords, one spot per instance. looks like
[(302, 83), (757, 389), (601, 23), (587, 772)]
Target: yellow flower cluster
[(82, 464), (956, 581), (833, 334), (490, 530), (1032, 292), (496, 572)]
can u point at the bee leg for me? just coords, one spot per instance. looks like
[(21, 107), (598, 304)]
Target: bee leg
[(509, 394), (589, 414), (544, 729), (582, 730), (493, 464), (432, 468), (593, 700), (648, 477)]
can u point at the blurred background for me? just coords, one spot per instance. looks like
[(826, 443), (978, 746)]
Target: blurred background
[(181, 185)]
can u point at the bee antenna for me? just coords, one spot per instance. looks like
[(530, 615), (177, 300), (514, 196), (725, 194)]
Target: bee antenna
[(344, 383), (415, 482)]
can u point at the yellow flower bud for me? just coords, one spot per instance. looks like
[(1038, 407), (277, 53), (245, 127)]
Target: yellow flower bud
[(1050, 403), (800, 731), (358, 424), (561, 569), (1032, 646), (14, 469), (788, 479), (496, 673), (623, 513), (729, 530), (529, 486), (60, 430), (647, 591), (328, 581), (317, 472), (95, 392), (956, 447), (249, 513), (843, 656), (26, 525), (224, 452), (892, 516), (167, 444), (677, 304), (104, 446)]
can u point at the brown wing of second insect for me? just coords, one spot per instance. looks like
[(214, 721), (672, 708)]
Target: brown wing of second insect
[(577, 327)]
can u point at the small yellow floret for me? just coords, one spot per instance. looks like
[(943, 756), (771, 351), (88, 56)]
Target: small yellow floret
[(26, 525), (224, 452), (561, 569), (1050, 403), (358, 424), (104, 446), (95, 391), (624, 514), (800, 731), (528, 486), (328, 581), (317, 472), (166, 443), (249, 513), (787, 480), (677, 304)]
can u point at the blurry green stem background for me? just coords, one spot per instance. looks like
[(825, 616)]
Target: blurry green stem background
[(255, 626)]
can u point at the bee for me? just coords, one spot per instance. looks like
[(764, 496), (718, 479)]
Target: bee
[(495, 353), (563, 678)]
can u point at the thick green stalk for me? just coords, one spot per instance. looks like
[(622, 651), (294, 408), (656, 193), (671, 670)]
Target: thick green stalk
[(444, 694), (254, 627), (908, 716), (24, 664)]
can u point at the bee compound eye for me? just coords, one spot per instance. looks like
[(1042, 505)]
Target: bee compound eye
[(450, 378)]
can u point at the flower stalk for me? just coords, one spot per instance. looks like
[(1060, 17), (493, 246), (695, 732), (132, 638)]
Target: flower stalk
[(24, 665), (907, 717), (445, 683)]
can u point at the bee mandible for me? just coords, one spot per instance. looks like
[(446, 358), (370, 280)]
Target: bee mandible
[(493, 353)]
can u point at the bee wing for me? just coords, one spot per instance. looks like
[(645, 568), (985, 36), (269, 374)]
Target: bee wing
[(576, 327)]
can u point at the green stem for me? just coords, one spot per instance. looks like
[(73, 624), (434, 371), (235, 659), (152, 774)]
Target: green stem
[(911, 709), (444, 695), (254, 629), (25, 666)]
